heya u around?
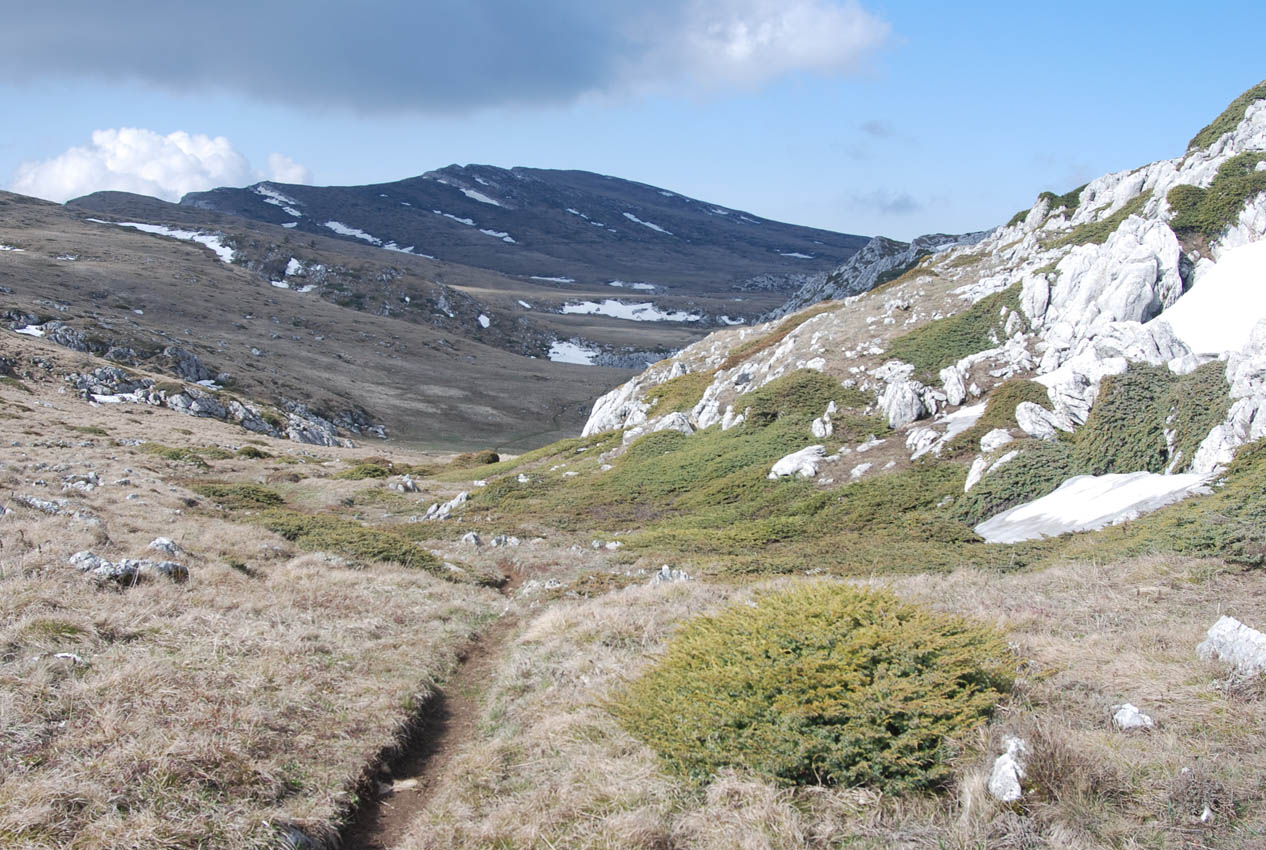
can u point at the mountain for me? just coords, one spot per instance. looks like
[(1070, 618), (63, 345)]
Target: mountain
[(970, 559), (567, 227)]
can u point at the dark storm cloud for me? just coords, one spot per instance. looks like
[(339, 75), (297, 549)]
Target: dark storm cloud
[(445, 55)]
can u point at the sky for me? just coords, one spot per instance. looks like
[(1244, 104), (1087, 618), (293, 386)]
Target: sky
[(873, 117)]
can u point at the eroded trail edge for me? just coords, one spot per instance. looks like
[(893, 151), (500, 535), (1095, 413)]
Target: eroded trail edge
[(437, 734)]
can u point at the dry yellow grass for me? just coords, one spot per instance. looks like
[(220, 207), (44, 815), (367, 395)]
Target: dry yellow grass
[(554, 770), (206, 714)]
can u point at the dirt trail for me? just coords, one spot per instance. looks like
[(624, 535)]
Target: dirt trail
[(449, 720)]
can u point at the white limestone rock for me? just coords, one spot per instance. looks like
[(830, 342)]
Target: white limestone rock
[(471, 538), (952, 382), (1231, 641), (1005, 780), (166, 544), (1037, 421), (1126, 717), (668, 575), (670, 422), (440, 511), (804, 463), (995, 439)]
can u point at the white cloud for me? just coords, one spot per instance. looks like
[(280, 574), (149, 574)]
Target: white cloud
[(283, 169), (131, 159), (721, 42)]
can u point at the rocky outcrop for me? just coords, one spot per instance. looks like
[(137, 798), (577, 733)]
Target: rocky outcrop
[(803, 463), (879, 259), (1231, 641)]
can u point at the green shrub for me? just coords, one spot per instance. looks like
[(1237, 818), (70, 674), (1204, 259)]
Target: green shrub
[(1097, 232), (937, 344), (363, 469), (1068, 201), (680, 394), (1229, 119), (174, 454), (1020, 216), (1038, 470), (1209, 212), (1126, 429), (802, 395), (823, 684), (214, 453), (470, 460), (238, 497), (252, 453)]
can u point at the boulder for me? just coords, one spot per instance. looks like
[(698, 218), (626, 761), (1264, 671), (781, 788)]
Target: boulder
[(166, 544), (995, 439), (440, 511), (804, 463), (1037, 421), (1126, 717), (470, 538), (1231, 641)]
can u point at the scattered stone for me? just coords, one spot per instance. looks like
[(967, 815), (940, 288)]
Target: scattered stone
[(1127, 716), (166, 544), (1037, 421), (43, 505), (859, 470), (523, 479), (471, 538), (668, 574), (1231, 641), (72, 658), (406, 484), (504, 540), (444, 511), (1008, 771)]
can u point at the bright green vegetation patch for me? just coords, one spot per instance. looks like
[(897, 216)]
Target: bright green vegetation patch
[(1126, 429), (999, 413), (1038, 470), (751, 347), (1209, 212), (678, 395), (1068, 201), (935, 345), (1229, 119), (15, 384), (823, 684), (326, 533), (1097, 232), (252, 453), (175, 455)]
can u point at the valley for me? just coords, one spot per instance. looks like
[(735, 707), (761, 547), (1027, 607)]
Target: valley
[(958, 543)]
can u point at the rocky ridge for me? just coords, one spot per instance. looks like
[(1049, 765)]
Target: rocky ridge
[(1080, 286)]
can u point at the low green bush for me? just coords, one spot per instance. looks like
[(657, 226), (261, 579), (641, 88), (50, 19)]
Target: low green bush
[(1097, 232), (1229, 119), (252, 453), (680, 394), (1211, 211), (240, 497), (14, 383), (469, 460), (822, 684), (940, 343), (1040, 467), (175, 455)]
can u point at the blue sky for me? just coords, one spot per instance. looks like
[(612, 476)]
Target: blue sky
[(874, 117)]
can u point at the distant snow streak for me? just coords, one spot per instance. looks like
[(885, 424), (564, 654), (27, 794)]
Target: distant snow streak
[(642, 312), (343, 230), (210, 240), (563, 351), (649, 224)]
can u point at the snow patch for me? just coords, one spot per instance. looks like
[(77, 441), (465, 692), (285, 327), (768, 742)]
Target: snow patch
[(525, 305), (211, 240), (726, 320), (343, 230), (479, 196), (15, 250), (1218, 313), (553, 279), (1089, 502), (30, 330), (498, 234), (294, 267), (795, 254), (649, 224), (484, 321), (564, 351), (649, 287), (642, 312)]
